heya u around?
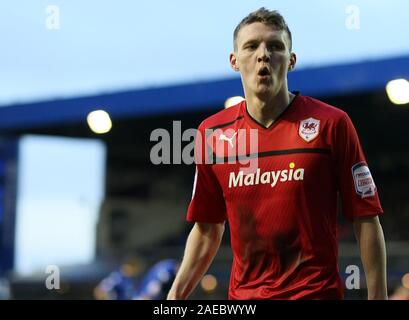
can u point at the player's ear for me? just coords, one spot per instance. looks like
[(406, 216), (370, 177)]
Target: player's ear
[(293, 61), (233, 62)]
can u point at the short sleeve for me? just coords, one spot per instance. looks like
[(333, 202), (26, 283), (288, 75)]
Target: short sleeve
[(357, 187), (208, 203)]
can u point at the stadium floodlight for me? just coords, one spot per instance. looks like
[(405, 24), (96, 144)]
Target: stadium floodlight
[(398, 91), (232, 101), (99, 121)]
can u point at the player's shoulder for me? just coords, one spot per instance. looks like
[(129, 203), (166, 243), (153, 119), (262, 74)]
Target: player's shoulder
[(323, 110), (223, 117)]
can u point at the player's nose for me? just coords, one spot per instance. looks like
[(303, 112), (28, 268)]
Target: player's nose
[(263, 54)]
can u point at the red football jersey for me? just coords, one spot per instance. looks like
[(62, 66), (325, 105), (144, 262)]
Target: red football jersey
[(282, 205)]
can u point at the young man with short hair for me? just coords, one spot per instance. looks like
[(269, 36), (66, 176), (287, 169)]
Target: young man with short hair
[(282, 214)]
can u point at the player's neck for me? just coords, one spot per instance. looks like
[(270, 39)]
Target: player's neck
[(266, 110)]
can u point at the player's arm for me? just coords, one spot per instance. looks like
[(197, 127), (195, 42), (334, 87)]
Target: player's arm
[(369, 234), (201, 247)]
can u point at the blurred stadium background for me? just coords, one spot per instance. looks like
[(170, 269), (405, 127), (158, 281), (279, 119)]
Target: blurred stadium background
[(92, 203)]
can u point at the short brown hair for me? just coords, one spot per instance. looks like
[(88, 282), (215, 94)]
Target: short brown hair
[(272, 18)]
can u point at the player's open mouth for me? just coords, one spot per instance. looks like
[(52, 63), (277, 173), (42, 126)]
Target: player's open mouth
[(264, 72)]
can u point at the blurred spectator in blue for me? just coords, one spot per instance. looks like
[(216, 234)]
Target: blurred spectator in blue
[(119, 284), (122, 284), (157, 281)]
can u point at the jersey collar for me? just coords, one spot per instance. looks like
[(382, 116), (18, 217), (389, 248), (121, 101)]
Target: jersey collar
[(254, 124)]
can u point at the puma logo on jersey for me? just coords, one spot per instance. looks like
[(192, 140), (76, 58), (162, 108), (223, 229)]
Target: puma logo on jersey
[(269, 177), (223, 137)]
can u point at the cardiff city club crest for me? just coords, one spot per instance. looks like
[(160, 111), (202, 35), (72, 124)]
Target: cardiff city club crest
[(309, 129)]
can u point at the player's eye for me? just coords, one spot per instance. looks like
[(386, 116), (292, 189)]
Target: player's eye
[(275, 46), (251, 46)]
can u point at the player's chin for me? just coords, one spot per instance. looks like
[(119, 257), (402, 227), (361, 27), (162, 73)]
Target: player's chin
[(264, 87)]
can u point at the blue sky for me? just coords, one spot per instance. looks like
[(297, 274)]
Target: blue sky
[(105, 46)]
